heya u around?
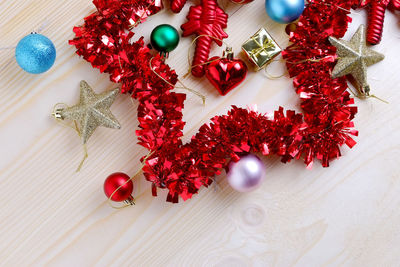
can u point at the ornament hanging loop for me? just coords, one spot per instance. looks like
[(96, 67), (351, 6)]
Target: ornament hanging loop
[(274, 77), (361, 95), (57, 115), (203, 98)]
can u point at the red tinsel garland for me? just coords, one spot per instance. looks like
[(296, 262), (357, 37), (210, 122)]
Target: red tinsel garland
[(324, 126)]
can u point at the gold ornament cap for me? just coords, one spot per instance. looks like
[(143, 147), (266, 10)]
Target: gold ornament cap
[(228, 53)]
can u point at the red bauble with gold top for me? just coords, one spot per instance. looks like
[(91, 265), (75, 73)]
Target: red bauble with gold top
[(113, 182)]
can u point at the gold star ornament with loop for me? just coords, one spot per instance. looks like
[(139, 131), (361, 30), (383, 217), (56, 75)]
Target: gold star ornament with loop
[(92, 111), (354, 57)]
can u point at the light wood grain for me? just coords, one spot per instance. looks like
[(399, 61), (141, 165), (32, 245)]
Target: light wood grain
[(345, 215)]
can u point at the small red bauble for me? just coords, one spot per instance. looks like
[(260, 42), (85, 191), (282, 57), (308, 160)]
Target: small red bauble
[(241, 1), (116, 180), (226, 73)]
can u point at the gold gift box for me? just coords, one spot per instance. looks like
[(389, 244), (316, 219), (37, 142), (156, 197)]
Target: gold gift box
[(261, 48)]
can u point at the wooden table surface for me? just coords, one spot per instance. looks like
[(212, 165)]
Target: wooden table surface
[(344, 215)]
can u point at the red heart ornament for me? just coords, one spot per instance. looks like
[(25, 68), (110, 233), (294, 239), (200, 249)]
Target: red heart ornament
[(226, 73)]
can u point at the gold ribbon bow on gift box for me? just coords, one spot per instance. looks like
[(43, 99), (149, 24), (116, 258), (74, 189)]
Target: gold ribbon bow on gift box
[(261, 48)]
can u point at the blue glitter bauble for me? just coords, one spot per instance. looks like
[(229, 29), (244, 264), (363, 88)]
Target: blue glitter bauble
[(284, 11), (35, 53)]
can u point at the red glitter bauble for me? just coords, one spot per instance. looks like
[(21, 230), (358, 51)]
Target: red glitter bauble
[(113, 182)]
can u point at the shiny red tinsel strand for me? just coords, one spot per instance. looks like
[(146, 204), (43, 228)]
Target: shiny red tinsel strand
[(325, 125)]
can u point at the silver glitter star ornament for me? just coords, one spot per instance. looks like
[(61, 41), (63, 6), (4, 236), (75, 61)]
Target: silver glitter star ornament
[(354, 58), (92, 111)]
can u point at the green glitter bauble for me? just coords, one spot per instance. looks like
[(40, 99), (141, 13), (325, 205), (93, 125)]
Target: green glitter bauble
[(164, 38)]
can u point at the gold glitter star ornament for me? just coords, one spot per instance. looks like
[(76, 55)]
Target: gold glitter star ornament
[(92, 111), (354, 57)]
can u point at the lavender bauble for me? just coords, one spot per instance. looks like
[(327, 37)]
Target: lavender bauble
[(246, 174)]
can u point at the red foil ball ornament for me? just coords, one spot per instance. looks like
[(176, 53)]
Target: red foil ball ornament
[(227, 72), (113, 182)]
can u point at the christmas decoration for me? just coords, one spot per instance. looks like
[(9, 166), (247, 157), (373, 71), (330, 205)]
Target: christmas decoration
[(206, 20), (247, 174), (119, 187), (317, 133), (164, 38), (376, 17), (261, 48), (284, 11), (354, 58), (91, 112), (35, 53), (227, 72)]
